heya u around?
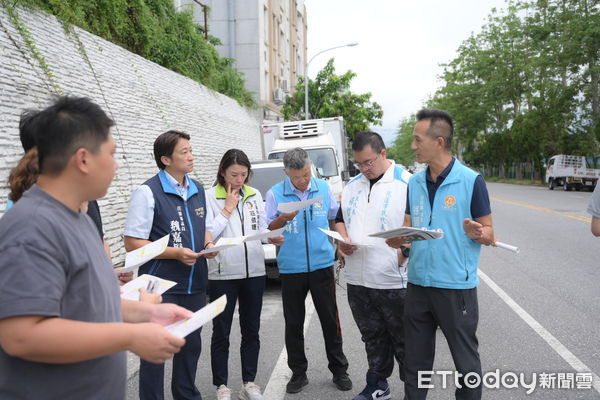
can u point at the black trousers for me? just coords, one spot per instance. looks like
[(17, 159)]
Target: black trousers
[(249, 292), (185, 362), (379, 315), (456, 312), (294, 288)]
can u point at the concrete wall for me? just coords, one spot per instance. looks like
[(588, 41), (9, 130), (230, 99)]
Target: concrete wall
[(143, 98)]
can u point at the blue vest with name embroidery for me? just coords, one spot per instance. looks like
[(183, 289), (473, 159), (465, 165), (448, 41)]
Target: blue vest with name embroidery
[(449, 262), (305, 248), (185, 221)]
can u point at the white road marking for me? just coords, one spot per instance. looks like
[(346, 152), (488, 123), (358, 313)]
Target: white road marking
[(556, 345), (275, 389)]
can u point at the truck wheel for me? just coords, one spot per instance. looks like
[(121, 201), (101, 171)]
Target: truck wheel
[(551, 184), (567, 187)]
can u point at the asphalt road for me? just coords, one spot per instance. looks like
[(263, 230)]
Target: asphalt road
[(539, 313)]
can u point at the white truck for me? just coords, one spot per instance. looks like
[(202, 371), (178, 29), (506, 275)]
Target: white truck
[(323, 139), (570, 172)]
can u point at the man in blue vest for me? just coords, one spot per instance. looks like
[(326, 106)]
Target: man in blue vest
[(305, 262), (172, 203), (442, 274)]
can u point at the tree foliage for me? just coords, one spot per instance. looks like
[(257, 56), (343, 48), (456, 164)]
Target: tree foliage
[(154, 29), (329, 96), (400, 150), (527, 86)]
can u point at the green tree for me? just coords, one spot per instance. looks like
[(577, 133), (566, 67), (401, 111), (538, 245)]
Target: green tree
[(329, 96), (400, 151), (527, 86)]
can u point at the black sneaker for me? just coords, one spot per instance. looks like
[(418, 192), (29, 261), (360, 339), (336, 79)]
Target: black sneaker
[(342, 382), (296, 383)]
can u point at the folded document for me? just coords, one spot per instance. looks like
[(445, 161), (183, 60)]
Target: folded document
[(410, 233)]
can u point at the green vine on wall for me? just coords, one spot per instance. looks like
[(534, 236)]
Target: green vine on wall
[(30, 42), (157, 31)]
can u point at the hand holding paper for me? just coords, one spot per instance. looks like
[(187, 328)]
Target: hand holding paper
[(185, 327), (131, 290), (224, 243), (339, 238), (508, 247)]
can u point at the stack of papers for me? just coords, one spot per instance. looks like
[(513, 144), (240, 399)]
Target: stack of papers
[(131, 290), (186, 326), (410, 233)]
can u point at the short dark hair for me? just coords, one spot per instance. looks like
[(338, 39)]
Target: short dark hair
[(368, 138), (165, 143), (26, 133), (70, 123), (232, 157), (440, 125)]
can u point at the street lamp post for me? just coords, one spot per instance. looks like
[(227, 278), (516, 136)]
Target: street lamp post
[(306, 74)]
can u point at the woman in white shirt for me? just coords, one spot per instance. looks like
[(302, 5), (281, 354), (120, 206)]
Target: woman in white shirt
[(238, 272)]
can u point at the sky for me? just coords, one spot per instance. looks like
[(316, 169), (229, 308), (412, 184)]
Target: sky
[(401, 44)]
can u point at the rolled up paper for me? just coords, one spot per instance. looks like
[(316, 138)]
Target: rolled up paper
[(508, 247)]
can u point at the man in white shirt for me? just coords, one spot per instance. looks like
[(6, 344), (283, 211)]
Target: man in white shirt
[(375, 273)]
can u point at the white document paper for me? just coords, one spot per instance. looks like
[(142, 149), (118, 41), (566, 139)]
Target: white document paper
[(411, 233), (202, 316), (266, 235), (297, 205), (131, 290), (338, 237), (134, 259), (224, 243)]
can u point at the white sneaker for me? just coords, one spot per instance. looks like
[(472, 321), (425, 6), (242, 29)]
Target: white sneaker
[(223, 393), (250, 391)]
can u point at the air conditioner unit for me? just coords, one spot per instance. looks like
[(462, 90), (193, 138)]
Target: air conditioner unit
[(278, 96)]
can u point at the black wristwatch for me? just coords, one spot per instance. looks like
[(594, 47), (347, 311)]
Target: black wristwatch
[(405, 251)]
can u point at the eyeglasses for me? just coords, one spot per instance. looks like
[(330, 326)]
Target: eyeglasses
[(365, 164)]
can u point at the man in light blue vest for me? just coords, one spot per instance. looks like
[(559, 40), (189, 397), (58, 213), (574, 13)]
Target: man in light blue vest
[(442, 274), (305, 262)]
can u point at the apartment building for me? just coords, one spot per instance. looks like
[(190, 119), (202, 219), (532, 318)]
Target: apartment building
[(267, 40)]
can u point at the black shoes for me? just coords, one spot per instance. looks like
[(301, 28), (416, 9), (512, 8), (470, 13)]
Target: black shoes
[(342, 382), (296, 383)]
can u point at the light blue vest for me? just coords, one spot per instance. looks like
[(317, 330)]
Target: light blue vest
[(450, 262), (305, 248)]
